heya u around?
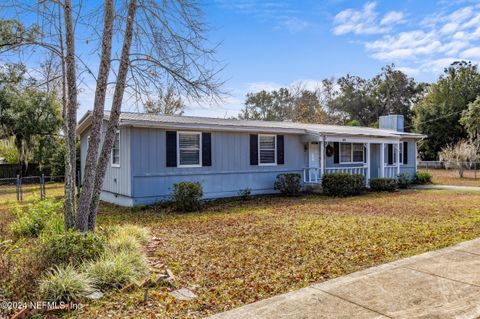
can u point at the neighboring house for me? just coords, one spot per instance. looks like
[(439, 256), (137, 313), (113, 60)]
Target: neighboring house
[(153, 152)]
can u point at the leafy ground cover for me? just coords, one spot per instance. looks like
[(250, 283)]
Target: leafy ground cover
[(450, 177), (237, 252)]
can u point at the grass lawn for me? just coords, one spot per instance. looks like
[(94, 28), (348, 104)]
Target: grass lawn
[(451, 177), (236, 252)]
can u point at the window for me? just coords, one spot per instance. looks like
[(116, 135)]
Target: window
[(189, 146), (351, 153), (345, 153), (401, 152), (267, 149), (116, 151), (395, 153)]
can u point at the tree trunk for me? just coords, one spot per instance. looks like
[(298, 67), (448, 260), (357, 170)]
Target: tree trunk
[(68, 218), (71, 119), (97, 119), (112, 126)]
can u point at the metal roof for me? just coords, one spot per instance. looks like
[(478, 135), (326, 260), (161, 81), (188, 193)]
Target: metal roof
[(176, 121)]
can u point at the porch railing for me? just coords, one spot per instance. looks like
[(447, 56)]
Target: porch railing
[(313, 175), (390, 172)]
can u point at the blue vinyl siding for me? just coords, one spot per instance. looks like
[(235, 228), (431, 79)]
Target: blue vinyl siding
[(117, 179), (230, 170)]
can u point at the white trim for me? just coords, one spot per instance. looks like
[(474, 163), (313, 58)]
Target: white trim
[(274, 150), (346, 139), (369, 173), (322, 156), (213, 127), (111, 152), (398, 158), (402, 149), (199, 149), (382, 160), (351, 153)]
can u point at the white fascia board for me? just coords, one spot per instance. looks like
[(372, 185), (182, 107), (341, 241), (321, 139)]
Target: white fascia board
[(211, 127), (366, 139)]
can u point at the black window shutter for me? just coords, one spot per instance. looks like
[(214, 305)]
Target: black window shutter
[(364, 154), (336, 152), (390, 154), (280, 150), (405, 152), (206, 149), (171, 143), (253, 149)]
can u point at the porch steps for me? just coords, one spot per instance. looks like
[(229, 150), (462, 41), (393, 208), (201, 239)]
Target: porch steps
[(314, 188)]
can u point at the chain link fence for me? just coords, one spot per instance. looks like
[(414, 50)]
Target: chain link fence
[(23, 187), (470, 169)]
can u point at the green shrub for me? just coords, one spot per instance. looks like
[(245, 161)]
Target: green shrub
[(70, 247), (343, 184), (123, 242), (245, 193), (115, 270), (423, 178), (36, 217), (383, 184), (187, 196), (288, 184), (404, 180), (141, 234), (64, 284)]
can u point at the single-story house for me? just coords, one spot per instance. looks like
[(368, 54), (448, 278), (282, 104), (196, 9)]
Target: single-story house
[(153, 152)]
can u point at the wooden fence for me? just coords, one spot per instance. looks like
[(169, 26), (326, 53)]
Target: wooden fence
[(12, 170)]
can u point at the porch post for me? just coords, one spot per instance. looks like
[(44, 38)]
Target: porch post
[(398, 158), (382, 160), (367, 177), (322, 157)]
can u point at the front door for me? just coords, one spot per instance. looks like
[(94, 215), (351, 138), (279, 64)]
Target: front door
[(314, 155), (314, 162)]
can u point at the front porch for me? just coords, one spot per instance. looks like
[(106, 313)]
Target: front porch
[(369, 157)]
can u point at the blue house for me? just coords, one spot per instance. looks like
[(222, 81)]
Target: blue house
[(153, 152)]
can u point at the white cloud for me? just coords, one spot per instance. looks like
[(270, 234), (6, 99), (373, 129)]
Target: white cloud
[(408, 70), (281, 13), (267, 86), (294, 24), (472, 53), (427, 45), (449, 28), (365, 21), (392, 17)]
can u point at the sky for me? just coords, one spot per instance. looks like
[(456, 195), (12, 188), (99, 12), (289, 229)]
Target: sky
[(270, 44)]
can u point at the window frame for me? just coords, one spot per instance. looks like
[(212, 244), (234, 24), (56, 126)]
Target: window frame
[(199, 149), (351, 153), (394, 154), (113, 146), (274, 150), (402, 152)]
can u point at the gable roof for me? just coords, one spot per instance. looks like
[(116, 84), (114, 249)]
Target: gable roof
[(209, 123)]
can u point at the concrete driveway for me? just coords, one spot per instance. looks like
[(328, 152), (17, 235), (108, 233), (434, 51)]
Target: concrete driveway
[(439, 284)]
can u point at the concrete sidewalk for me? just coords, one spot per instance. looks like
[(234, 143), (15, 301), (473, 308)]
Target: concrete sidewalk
[(448, 187), (439, 284)]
